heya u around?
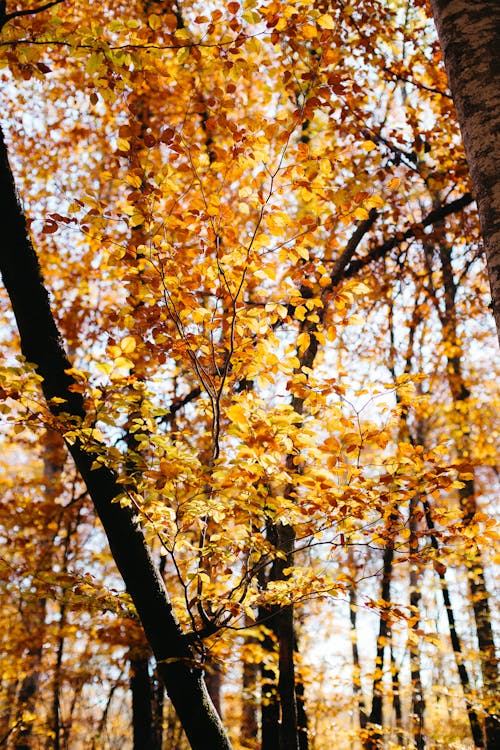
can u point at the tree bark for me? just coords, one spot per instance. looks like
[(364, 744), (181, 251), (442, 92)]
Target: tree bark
[(143, 719), (41, 344), (469, 33)]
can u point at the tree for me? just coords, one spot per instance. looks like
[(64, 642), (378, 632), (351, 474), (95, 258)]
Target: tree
[(470, 36)]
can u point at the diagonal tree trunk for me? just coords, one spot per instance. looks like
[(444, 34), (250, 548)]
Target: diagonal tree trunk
[(41, 344)]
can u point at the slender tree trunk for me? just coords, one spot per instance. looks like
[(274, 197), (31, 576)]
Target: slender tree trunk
[(375, 720), (30, 685), (143, 718), (285, 626), (396, 698), (479, 595), (417, 696), (475, 724), (302, 721), (469, 33), (269, 693), (56, 685), (249, 719), (53, 461), (357, 691), (41, 344)]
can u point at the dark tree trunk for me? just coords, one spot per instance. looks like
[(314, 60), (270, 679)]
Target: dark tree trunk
[(417, 696), (41, 344), (396, 699), (375, 720), (143, 718), (269, 693), (249, 720), (356, 668)]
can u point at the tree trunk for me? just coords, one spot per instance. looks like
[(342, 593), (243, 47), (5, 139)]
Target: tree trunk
[(475, 725), (143, 719), (479, 595), (269, 693), (375, 721), (417, 696), (357, 691), (396, 698), (249, 720), (41, 344), (469, 33)]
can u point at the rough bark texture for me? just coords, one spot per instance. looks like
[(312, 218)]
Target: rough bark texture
[(41, 344), (469, 33)]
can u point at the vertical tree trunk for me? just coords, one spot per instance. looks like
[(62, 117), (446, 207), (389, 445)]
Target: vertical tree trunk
[(479, 595), (396, 698), (249, 720), (269, 693), (53, 461), (475, 725), (357, 691), (143, 719), (302, 721), (469, 33), (375, 721), (417, 696)]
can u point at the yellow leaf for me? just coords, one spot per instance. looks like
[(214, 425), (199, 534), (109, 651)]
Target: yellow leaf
[(368, 145), (133, 180), (303, 340), (128, 344), (136, 220), (361, 213), (393, 183), (122, 144), (300, 312), (326, 21), (154, 21), (325, 166), (123, 362), (374, 201)]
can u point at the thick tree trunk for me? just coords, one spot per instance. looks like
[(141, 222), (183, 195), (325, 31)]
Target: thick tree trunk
[(469, 33), (41, 345)]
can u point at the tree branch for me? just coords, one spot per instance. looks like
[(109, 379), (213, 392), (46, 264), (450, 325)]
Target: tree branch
[(6, 17), (432, 218)]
